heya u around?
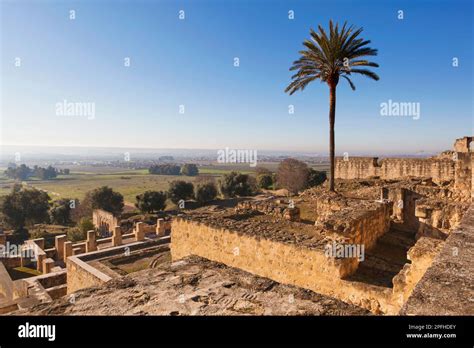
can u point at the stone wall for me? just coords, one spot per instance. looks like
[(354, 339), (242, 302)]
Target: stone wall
[(81, 275), (438, 218), (357, 221), (104, 221), (270, 207), (404, 206), (447, 287), (356, 167), (463, 174), (6, 283), (463, 144), (264, 255), (284, 263), (440, 170), (449, 166), (421, 256)]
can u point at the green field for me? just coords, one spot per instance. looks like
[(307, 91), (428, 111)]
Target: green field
[(126, 181)]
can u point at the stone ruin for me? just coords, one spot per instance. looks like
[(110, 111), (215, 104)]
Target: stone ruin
[(451, 168), (403, 212), (66, 267), (396, 238), (280, 208), (104, 221)]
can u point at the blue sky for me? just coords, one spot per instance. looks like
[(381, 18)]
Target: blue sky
[(191, 62)]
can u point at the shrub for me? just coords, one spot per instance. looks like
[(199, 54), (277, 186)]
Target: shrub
[(236, 184), (265, 181), (189, 170), (180, 190), (292, 175), (83, 208), (76, 234), (25, 206), (22, 172), (205, 192), (45, 173), (316, 178), (60, 213), (19, 236), (262, 170), (107, 199), (165, 169), (151, 201), (85, 224)]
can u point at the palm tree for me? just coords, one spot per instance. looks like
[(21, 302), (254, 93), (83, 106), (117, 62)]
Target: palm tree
[(327, 59)]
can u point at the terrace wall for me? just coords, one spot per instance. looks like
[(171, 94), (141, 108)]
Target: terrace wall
[(81, 275), (284, 263)]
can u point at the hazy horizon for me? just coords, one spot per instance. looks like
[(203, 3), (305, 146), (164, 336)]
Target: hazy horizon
[(7, 152), (190, 63)]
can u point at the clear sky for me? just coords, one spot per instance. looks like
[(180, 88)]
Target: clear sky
[(190, 62)]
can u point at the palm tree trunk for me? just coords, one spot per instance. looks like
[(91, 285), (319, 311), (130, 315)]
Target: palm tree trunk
[(332, 117)]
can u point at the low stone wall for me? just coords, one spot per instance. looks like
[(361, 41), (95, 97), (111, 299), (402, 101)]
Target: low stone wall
[(447, 287), (370, 226), (52, 279), (81, 275), (421, 256), (57, 291), (265, 257), (149, 228), (270, 207), (357, 221), (11, 261), (79, 248), (438, 218), (284, 263), (6, 283)]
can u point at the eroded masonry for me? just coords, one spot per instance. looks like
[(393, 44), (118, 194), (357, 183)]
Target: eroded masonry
[(396, 238), (370, 244)]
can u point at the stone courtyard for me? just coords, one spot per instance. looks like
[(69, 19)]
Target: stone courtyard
[(395, 238)]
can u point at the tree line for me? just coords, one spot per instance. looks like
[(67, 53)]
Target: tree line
[(187, 169), (23, 172)]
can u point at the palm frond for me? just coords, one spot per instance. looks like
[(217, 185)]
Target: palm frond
[(350, 82), (325, 55), (367, 73)]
